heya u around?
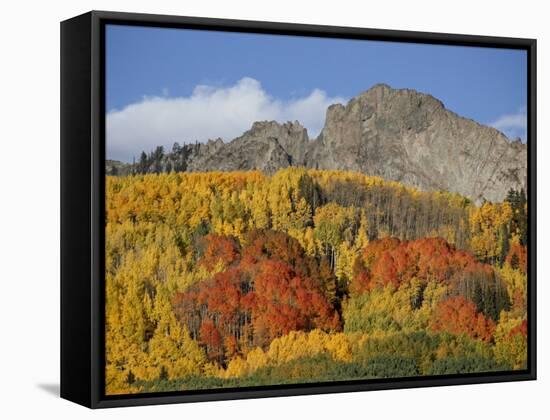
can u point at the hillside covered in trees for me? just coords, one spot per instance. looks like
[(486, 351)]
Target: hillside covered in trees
[(231, 279)]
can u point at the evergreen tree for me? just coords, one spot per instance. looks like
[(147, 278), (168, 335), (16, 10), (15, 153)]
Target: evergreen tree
[(143, 163)]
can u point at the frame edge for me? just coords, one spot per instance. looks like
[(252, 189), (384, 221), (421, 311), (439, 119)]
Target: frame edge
[(75, 126)]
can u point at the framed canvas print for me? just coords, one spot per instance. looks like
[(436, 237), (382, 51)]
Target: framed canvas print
[(255, 209)]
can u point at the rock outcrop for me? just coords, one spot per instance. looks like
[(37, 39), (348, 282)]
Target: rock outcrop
[(410, 137), (267, 146)]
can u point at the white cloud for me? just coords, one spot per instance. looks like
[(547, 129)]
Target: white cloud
[(209, 112), (513, 125)]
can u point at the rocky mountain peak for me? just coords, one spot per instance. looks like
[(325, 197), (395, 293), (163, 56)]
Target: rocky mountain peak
[(410, 137), (291, 136)]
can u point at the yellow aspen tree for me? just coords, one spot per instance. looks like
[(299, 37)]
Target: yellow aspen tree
[(345, 261), (339, 347), (486, 222)]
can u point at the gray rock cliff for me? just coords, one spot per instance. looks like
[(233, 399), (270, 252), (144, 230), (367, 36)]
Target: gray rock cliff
[(410, 137)]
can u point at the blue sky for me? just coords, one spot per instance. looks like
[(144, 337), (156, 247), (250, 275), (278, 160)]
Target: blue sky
[(221, 81)]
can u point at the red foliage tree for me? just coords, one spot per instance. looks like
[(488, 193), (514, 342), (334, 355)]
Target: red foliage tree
[(517, 257), (222, 294), (384, 270), (457, 315), (375, 248), (218, 301), (361, 278), (218, 248), (211, 338), (282, 302), (262, 244)]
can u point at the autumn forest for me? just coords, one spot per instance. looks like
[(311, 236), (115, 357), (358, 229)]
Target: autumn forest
[(238, 279)]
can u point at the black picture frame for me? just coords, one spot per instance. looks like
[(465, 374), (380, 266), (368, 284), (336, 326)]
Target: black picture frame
[(83, 195)]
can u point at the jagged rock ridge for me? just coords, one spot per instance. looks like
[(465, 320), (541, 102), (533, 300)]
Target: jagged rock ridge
[(397, 134)]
